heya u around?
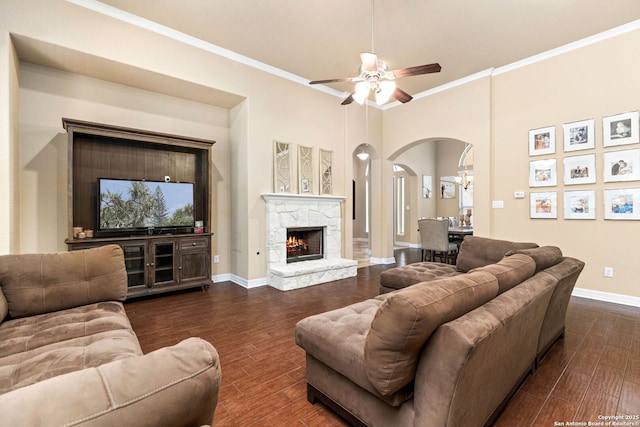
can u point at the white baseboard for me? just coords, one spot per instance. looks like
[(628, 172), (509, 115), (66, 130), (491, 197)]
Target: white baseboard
[(241, 281), (374, 260), (407, 244), (607, 297)]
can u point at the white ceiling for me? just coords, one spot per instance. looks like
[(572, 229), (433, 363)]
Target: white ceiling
[(322, 39)]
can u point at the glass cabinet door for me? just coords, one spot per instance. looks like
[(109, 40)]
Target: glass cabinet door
[(162, 264), (135, 262)]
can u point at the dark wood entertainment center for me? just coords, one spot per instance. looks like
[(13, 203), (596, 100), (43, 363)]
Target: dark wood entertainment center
[(156, 261)]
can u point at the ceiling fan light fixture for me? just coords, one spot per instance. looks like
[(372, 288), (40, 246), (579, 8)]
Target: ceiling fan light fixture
[(361, 93), (385, 90)]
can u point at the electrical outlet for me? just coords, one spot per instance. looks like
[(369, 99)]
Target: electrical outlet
[(608, 272), (216, 259)]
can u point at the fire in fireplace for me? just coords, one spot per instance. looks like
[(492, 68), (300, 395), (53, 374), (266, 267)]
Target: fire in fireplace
[(304, 243)]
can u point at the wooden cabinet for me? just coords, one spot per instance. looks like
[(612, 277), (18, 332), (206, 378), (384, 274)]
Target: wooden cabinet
[(194, 260), (155, 262), (160, 263)]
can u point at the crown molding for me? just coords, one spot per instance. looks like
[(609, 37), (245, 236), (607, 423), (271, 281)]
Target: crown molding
[(135, 20)]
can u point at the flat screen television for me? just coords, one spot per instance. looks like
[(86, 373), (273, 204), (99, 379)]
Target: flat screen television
[(127, 205)]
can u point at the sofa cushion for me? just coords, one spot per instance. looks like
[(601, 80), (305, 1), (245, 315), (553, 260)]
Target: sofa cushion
[(337, 338), (41, 283), (172, 386), (544, 256), (510, 270), (407, 275), (478, 251), (407, 318), (35, 348)]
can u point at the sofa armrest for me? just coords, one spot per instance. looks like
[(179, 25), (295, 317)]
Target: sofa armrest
[(42, 283), (175, 386), (4, 306)]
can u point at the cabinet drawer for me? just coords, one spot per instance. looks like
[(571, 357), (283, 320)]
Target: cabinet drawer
[(195, 243)]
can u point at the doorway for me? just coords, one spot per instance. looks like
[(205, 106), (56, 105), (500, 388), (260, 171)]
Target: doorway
[(362, 204)]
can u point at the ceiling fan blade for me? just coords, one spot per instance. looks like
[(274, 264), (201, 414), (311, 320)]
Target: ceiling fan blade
[(402, 96), (369, 61), (321, 82), (417, 70), (348, 100)]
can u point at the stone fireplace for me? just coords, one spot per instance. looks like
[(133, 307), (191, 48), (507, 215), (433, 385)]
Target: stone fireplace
[(316, 220)]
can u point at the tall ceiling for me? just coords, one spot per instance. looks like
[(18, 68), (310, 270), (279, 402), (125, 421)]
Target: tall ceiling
[(322, 39)]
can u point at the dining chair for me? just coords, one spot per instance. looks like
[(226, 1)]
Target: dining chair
[(434, 240)]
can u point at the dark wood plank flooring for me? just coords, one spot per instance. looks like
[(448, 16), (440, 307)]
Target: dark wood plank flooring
[(594, 371)]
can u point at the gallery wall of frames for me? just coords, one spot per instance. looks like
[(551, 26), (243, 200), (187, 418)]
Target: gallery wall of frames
[(620, 163)]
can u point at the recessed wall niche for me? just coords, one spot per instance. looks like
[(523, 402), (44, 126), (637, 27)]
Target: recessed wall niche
[(105, 151)]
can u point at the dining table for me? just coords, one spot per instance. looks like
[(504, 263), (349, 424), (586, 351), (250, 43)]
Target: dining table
[(456, 234)]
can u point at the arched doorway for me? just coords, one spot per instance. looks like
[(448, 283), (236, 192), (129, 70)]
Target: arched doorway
[(438, 182), (361, 196)]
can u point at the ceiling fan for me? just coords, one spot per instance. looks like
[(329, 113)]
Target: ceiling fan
[(375, 76)]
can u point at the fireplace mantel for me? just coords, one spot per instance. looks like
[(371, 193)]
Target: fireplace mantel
[(310, 197)]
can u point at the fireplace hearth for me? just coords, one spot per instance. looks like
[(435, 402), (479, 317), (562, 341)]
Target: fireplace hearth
[(304, 244)]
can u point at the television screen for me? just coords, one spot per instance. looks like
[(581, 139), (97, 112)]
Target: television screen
[(135, 204)]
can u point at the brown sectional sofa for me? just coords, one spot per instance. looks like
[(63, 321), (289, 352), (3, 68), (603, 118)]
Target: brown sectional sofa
[(68, 354), (446, 351), (474, 252)]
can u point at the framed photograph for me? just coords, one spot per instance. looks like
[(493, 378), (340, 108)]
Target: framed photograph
[(305, 169), (447, 187), (580, 169), (579, 135), (542, 141), (544, 205), (623, 165), (427, 187), (623, 203), (580, 204), (542, 173), (621, 129)]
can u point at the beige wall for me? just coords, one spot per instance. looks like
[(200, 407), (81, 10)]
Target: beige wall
[(47, 95), (492, 111), (9, 131), (495, 112), (588, 83), (243, 165)]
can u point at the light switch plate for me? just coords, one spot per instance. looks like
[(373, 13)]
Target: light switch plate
[(518, 194), (497, 204)]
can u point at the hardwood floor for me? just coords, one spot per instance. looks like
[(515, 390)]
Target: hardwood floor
[(594, 371)]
